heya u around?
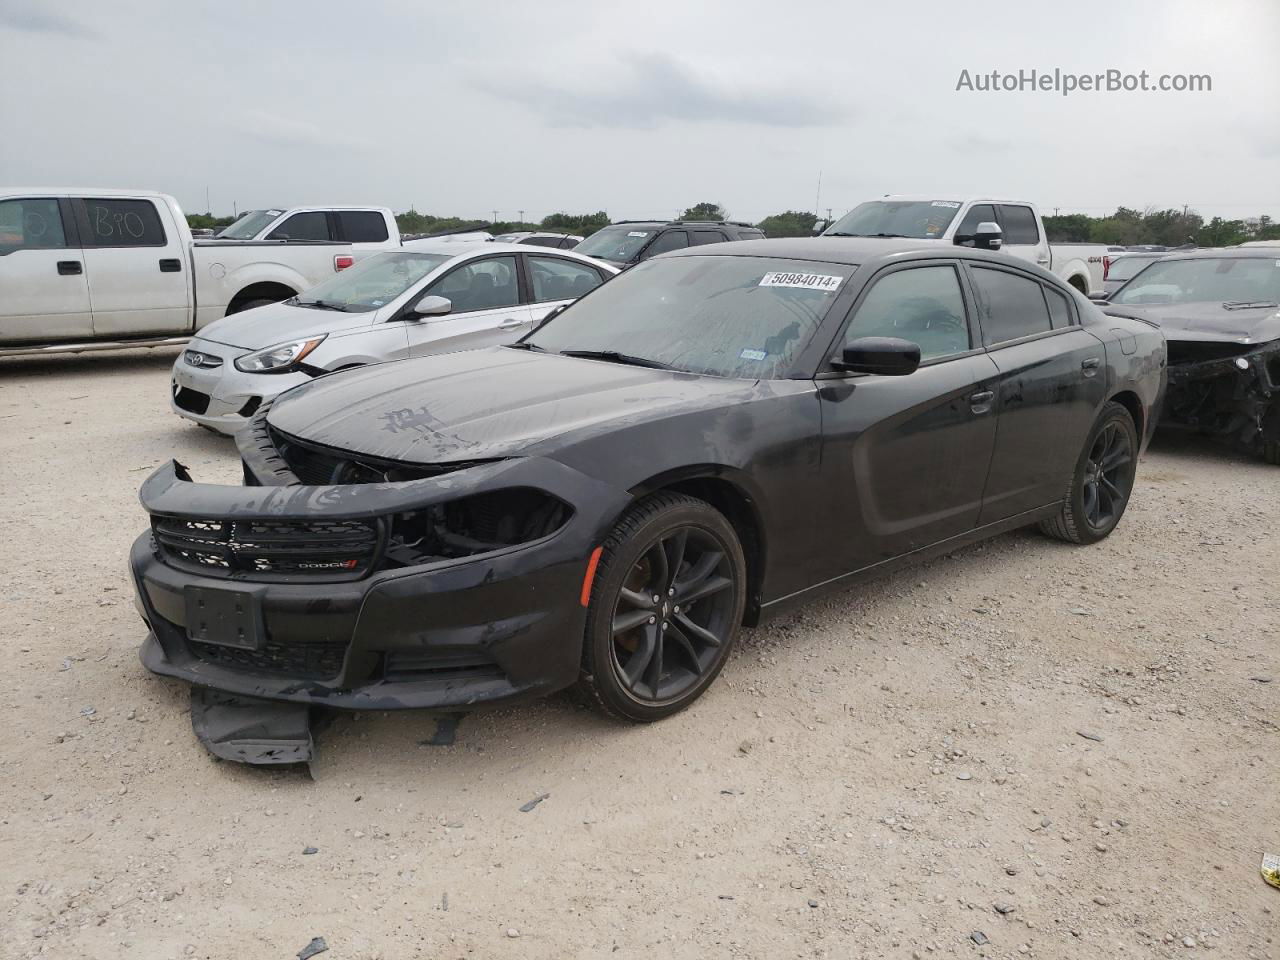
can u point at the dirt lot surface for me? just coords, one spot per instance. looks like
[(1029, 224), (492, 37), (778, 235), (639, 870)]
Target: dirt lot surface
[(1065, 752)]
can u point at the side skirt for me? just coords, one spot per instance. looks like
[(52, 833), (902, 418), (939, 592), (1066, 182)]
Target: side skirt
[(773, 607)]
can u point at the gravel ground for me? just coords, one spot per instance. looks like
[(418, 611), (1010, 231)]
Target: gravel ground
[(1054, 751)]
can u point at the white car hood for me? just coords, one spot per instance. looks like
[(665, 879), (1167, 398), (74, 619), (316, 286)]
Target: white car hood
[(278, 323)]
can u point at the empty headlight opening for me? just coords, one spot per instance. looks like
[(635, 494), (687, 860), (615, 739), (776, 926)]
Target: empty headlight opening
[(474, 525)]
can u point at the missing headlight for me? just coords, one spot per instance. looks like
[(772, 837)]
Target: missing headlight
[(473, 525)]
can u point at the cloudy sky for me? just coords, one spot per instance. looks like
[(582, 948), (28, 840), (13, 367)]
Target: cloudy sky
[(639, 108)]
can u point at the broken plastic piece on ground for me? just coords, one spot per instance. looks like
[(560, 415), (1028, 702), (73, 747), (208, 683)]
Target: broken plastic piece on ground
[(317, 945), (526, 807), (250, 730), (1271, 869), (446, 731)]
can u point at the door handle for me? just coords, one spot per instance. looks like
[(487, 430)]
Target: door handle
[(70, 268), (510, 324), (173, 265), (1090, 366), (1043, 261), (980, 402)]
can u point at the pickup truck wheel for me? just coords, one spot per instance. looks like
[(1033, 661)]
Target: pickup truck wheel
[(250, 305), (1102, 481), (665, 606)]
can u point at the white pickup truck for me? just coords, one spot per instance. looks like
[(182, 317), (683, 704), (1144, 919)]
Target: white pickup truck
[(365, 228), (1019, 231), (106, 269)]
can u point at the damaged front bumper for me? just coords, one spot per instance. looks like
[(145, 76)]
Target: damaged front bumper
[(1235, 396), (291, 592)]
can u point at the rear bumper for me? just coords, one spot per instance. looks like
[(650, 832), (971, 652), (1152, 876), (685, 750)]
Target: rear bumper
[(497, 628)]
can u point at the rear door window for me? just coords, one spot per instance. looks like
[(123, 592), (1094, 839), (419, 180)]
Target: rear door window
[(708, 236), (555, 278), (1018, 224), (31, 224), (362, 226), (1010, 306), (313, 225), (121, 223), (671, 240)]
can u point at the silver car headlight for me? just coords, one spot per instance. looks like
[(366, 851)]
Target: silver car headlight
[(278, 359)]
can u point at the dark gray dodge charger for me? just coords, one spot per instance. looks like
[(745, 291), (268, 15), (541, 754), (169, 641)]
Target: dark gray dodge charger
[(698, 441)]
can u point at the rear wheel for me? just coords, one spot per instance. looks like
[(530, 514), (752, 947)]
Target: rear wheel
[(1102, 481), (665, 608)]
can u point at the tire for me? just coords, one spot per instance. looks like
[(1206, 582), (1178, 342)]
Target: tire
[(251, 305), (1097, 495), (635, 563)]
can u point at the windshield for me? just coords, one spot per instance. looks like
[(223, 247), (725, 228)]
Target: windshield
[(1125, 268), (917, 219), (1205, 280), (372, 283), (726, 316), (620, 243), (249, 225)]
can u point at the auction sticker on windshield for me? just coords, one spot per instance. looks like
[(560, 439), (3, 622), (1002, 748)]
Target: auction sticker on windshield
[(637, 233), (809, 281)]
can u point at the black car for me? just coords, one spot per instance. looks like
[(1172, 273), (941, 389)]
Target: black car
[(1220, 312), (693, 444), (629, 241)]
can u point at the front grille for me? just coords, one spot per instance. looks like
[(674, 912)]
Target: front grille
[(193, 401), (406, 665), (306, 661), (336, 549), (206, 361)]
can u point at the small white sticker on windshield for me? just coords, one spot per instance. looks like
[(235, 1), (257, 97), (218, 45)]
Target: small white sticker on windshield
[(274, 213), (637, 233), (753, 355), (809, 281), (950, 204)]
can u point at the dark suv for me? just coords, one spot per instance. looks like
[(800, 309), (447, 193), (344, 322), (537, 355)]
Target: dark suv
[(629, 241)]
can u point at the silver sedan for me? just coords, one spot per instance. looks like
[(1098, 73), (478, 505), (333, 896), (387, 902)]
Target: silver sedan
[(428, 297)]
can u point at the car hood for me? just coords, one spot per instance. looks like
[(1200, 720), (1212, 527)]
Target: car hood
[(1206, 321), (486, 404), (277, 323)]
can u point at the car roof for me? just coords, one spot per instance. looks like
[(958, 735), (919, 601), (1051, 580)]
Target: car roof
[(962, 198), (463, 249), (76, 192), (846, 250), (1221, 253)]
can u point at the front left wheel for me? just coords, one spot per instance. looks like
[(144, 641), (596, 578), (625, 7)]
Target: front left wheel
[(665, 607)]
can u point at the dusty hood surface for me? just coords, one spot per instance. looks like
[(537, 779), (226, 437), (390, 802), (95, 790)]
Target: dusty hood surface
[(1206, 321), (483, 404), (278, 322)]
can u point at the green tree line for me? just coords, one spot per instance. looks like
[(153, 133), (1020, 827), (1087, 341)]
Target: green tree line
[(1170, 228)]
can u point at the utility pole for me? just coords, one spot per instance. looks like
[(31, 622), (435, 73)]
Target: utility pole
[(495, 217), (521, 212), (207, 208), (828, 214), (817, 198), (1055, 211)]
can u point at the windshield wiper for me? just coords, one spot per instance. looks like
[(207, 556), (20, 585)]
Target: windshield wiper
[(320, 305), (1248, 304), (526, 345), (613, 356)]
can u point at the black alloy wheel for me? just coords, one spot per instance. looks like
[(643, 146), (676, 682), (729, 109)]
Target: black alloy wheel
[(1102, 482), (665, 608)]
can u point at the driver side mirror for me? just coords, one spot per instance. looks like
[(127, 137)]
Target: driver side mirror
[(988, 236), (819, 226), (431, 306), (887, 356)]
